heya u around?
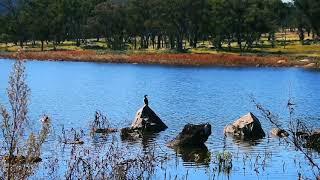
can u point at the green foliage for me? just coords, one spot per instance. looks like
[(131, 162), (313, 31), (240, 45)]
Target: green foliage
[(156, 23), (311, 10), (224, 161), (244, 21)]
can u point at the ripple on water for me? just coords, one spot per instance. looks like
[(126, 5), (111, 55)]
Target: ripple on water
[(71, 92)]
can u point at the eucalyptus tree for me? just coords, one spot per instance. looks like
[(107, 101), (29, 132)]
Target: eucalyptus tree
[(76, 16), (113, 19), (243, 21), (38, 18), (198, 18), (16, 25), (139, 20), (311, 10)]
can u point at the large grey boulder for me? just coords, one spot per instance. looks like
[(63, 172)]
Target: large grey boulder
[(247, 127), (146, 121), (192, 135)]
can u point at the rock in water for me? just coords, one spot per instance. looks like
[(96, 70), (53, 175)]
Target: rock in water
[(248, 127), (147, 120), (192, 135), (313, 140), (279, 132)]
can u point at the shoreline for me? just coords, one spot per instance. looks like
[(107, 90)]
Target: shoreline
[(167, 59)]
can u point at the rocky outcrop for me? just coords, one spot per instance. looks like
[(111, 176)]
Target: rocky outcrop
[(146, 121), (192, 135), (247, 127), (279, 132)]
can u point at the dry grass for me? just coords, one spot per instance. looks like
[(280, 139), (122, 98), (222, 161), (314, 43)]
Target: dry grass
[(209, 60), (221, 59)]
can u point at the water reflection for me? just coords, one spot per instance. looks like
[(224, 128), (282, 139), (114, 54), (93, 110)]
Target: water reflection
[(146, 139), (198, 155), (246, 144)]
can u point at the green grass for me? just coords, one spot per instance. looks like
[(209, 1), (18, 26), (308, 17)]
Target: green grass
[(293, 49)]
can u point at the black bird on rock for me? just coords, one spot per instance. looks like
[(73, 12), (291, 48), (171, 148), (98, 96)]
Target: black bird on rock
[(146, 102)]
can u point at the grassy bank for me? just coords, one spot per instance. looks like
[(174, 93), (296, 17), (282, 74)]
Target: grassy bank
[(289, 53), (184, 59)]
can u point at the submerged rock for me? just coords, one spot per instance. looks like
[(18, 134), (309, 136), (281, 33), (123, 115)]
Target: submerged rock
[(105, 131), (78, 141), (279, 132), (146, 121), (247, 127), (22, 159), (130, 134), (192, 135)]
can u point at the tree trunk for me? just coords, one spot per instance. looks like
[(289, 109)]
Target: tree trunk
[(77, 42), (54, 44), (179, 43), (159, 42), (153, 41), (172, 43), (239, 44), (195, 40), (41, 45), (229, 44), (162, 42), (147, 42), (141, 42), (301, 34)]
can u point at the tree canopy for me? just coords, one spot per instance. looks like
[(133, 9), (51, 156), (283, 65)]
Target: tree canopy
[(156, 23)]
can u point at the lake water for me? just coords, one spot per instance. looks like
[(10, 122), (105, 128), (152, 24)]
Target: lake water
[(71, 92)]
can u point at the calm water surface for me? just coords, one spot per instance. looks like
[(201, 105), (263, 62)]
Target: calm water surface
[(71, 92)]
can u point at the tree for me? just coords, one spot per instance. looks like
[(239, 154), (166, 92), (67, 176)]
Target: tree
[(16, 19), (39, 18), (113, 19), (198, 16), (76, 15), (243, 21), (311, 10)]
